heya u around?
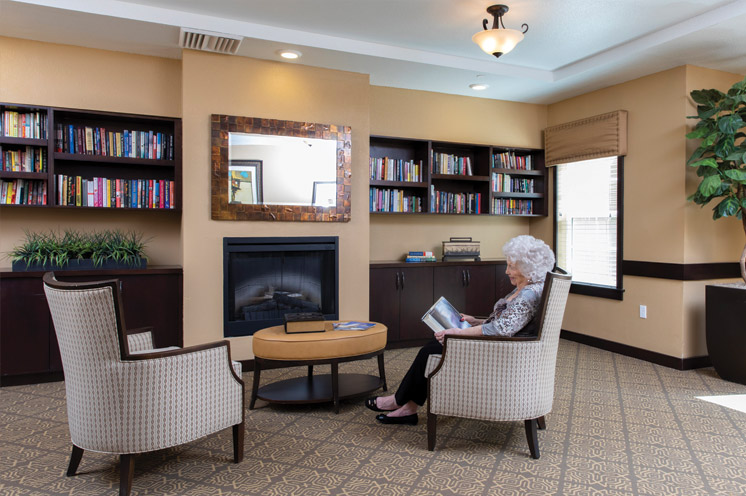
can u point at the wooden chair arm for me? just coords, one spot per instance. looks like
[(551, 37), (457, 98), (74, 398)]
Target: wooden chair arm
[(180, 351), (138, 330)]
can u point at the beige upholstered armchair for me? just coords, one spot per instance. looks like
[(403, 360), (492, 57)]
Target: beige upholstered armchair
[(123, 396), (500, 379)]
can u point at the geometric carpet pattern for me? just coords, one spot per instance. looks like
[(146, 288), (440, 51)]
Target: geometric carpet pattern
[(619, 426)]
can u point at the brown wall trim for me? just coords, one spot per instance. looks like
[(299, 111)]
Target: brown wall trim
[(681, 272), (639, 353), (37, 378)]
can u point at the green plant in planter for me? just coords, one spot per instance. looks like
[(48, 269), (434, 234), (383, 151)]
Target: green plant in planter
[(721, 156), (99, 246)]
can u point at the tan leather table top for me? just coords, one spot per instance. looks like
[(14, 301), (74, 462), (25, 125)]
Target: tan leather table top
[(273, 343)]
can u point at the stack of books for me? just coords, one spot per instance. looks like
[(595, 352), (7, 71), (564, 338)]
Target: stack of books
[(420, 256)]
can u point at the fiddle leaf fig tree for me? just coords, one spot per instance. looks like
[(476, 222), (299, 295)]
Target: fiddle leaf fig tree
[(720, 158)]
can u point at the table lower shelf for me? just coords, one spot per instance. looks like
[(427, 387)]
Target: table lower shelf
[(318, 388)]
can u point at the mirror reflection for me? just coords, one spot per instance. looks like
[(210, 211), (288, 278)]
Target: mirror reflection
[(281, 170)]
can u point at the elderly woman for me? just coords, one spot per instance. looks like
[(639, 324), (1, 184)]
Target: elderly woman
[(529, 260)]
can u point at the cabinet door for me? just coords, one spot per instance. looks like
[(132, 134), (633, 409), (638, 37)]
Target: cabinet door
[(479, 290), (502, 281), (384, 300), (450, 282), (24, 327), (416, 287)]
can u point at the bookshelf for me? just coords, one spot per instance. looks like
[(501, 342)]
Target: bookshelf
[(84, 159), (456, 178)]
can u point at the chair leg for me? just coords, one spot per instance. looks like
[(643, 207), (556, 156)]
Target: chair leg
[(126, 472), (75, 457), (238, 436), (542, 422), (432, 424), (533, 441)]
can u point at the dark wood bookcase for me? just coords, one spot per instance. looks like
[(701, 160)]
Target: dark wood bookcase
[(134, 157), (469, 188)]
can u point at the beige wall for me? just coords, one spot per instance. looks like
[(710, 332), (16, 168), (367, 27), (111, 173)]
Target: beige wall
[(659, 225), (219, 84), (66, 76), (435, 116)]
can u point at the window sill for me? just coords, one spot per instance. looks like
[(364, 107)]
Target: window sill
[(597, 291)]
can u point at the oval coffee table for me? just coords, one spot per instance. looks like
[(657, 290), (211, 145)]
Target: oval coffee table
[(273, 348)]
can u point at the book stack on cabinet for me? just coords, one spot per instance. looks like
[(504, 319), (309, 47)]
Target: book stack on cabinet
[(74, 158), (420, 257), (457, 178)]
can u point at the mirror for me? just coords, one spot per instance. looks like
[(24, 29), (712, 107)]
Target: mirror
[(264, 169)]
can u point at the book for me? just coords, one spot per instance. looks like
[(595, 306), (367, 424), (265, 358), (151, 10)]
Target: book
[(352, 326), (421, 254), (420, 259), (442, 315)]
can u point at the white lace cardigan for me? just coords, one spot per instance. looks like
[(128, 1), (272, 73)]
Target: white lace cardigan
[(510, 316)]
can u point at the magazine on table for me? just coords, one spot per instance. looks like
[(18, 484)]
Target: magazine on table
[(442, 315), (353, 325)]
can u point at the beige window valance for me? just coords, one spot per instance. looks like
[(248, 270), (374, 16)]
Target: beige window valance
[(599, 136)]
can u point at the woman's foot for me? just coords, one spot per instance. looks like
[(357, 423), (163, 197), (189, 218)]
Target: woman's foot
[(410, 408), (381, 403), (404, 415)]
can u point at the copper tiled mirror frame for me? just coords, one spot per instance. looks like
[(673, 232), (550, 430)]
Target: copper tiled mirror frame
[(222, 209)]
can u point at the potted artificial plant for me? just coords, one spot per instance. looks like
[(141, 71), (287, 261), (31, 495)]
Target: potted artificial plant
[(720, 160), (73, 250)]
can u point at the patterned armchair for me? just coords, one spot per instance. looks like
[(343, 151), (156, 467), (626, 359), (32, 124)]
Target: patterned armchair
[(498, 378), (123, 396)]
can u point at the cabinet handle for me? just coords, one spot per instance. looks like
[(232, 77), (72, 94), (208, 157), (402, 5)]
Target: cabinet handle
[(468, 277), (397, 280), (121, 288), (402, 280), (463, 278)]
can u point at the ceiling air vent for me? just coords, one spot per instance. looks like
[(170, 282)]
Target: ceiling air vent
[(209, 41)]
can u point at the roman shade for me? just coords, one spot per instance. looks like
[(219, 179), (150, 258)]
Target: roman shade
[(599, 136)]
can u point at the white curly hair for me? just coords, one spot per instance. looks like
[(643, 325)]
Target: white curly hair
[(531, 256)]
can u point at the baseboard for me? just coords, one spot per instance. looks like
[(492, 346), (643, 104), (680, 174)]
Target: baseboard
[(639, 353), (24, 379)]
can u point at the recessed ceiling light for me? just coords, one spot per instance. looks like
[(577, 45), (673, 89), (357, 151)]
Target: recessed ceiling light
[(479, 86), (289, 54)]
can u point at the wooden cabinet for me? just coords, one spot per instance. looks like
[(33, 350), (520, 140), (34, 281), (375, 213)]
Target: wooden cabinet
[(72, 158), (470, 288), (399, 296), (28, 344), (400, 293), (418, 177)]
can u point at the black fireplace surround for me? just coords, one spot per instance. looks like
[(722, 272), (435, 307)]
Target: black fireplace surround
[(265, 278)]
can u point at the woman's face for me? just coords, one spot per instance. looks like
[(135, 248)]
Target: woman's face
[(516, 277)]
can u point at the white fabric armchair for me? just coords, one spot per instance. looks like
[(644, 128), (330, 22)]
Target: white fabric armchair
[(497, 378), (123, 396)]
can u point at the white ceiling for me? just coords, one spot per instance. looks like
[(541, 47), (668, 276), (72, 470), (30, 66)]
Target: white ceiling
[(571, 47)]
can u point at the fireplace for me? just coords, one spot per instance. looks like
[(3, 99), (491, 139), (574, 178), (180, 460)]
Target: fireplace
[(266, 278)]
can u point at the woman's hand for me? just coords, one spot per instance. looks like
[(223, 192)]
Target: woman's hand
[(472, 321), (441, 335)]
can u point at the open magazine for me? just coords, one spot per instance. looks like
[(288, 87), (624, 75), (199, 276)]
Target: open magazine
[(442, 315)]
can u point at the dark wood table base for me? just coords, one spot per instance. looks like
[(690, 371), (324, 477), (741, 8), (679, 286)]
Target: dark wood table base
[(320, 388)]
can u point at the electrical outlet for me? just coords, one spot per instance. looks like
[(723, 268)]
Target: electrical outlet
[(643, 311)]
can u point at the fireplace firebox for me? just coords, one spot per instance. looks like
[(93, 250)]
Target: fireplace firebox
[(266, 278)]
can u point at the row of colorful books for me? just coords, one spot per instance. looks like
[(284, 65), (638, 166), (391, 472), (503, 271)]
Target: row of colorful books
[(445, 202), (505, 183), (510, 206), (445, 163), (390, 169), (27, 159), (509, 160), (23, 192), (420, 256), (114, 193), (84, 140), (393, 200), (23, 124)]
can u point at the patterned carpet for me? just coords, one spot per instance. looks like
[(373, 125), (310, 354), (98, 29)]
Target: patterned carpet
[(620, 426)]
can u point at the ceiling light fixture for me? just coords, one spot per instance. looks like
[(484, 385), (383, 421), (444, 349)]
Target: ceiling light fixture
[(289, 54), (479, 86), (498, 41)]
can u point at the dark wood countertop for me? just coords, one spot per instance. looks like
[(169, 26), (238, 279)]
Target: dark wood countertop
[(399, 264), (7, 273)]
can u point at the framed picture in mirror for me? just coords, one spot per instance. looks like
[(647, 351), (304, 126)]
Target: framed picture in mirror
[(268, 169)]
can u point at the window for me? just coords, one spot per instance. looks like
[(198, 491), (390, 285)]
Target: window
[(588, 225)]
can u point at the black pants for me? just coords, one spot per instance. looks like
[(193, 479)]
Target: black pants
[(414, 385)]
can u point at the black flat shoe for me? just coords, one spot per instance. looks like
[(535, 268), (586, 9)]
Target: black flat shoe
[(370, 403), (406, 419)]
